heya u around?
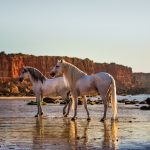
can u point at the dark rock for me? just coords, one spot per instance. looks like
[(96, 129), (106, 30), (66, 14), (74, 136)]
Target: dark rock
[(57, 101), (148, 101), (98, 101), (48, 100), (145, 108), (142, 102), (63, 102), (131, 102), (35, 103), (30, 93), (91, 102), (122, 101), (80, 101)]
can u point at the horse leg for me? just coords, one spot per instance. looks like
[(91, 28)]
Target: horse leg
[(64, 109), (38, 104), (85, 106), (41, 112), (75, 98), (67, 100), (68, 110), (105, 108)]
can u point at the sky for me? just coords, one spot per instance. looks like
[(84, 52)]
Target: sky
[(104, 31)]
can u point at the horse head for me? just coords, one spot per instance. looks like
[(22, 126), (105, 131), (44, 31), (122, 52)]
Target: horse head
[(58, 68), (24, 74), (31, 73)]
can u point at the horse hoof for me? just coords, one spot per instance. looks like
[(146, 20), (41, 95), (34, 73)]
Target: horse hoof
[(65, 115), (103, 119), (73, 118), (42, 113), (88, 119), (36, 115)]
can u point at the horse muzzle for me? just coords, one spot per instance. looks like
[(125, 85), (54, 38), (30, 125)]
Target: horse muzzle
[(20, 79), (53, 74)]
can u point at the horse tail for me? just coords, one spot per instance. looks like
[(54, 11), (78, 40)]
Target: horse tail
[(114, 99)]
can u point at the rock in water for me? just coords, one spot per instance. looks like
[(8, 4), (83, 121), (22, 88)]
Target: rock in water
[(148, 101), (35, 103), (145, 108), (48, 100)]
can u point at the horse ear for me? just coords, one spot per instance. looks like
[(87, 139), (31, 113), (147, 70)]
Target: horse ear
[(61, 61), (25, 69)]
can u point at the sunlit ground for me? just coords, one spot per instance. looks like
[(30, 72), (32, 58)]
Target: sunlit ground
[(20, 130)]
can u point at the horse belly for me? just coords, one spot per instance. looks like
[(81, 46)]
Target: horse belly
[(49, 91), (87, 90)]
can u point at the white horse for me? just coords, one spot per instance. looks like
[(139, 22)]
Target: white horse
[(81, 84), (46, 87)]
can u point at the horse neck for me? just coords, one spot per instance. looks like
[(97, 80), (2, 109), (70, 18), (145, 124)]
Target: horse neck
[(33, 81), (70, 79)]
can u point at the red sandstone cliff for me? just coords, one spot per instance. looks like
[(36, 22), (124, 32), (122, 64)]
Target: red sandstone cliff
[(142, 80), (11, 64)]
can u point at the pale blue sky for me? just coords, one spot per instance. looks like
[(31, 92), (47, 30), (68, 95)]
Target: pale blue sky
[(104, 31)]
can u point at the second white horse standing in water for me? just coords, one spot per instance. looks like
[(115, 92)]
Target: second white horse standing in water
[(46, 87), (81, 84)]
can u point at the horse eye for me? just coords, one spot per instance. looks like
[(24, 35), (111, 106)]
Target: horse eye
[(57, 66), (24, 71)]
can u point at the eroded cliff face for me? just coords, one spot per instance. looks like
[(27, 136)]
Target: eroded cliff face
[(11, 65), (142, 80)]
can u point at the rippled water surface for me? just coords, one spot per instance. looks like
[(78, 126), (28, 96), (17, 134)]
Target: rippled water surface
[(20, 130)]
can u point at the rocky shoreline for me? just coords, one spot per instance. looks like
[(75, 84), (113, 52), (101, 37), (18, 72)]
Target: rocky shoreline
[(143, 105)]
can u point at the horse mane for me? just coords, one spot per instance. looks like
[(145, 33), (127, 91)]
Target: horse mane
[(72, 73), (35, 73)]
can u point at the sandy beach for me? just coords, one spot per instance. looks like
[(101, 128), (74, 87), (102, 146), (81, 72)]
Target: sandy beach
[(19, 129)]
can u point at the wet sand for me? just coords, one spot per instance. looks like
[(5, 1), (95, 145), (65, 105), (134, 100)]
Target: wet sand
[(20, 130)]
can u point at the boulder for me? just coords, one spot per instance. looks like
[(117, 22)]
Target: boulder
[(48, 100), (14, 89), (127, 102), (91, 102), (80, 101), (35, 103), (147, 101), (63, 102), (143, 102), (145, 108)]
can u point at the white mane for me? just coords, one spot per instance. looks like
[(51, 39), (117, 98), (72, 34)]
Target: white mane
[(72, 74)]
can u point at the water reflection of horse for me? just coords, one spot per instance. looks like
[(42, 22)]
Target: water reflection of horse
[(74, 135), (77, 135), (61, 132), (81, 84), (45, 87), (110, 135)]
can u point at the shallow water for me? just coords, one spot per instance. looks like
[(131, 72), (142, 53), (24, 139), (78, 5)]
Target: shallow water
[(139, 97), (20, 130)]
